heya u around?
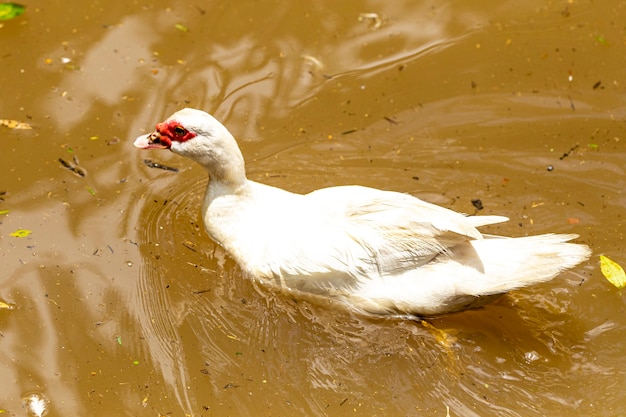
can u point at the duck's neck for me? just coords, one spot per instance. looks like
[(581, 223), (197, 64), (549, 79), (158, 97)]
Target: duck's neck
[(229, 172), (226, 169), (221, 158)]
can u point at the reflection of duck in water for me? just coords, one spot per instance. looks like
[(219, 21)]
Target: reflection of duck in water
[(379, 251)]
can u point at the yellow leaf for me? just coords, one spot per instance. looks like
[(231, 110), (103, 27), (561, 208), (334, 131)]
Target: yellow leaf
[(443, 337), (613, 272), (20, 233), (181, 27), (5, 306), (14, 124)]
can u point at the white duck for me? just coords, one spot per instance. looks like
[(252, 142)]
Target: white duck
[(379, 251)]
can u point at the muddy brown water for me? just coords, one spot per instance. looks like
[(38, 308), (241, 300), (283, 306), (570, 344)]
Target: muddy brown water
[(122, 305)]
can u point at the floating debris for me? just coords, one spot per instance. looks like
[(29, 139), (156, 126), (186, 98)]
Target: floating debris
[(566, 154), (477, 203), (372, 19), (151, 164), (36, 404), (14, 124), (73, 167)]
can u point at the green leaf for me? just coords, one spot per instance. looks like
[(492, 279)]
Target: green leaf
[(91, 190), (602, 40), (613, 272), (10, 10), (20, 233), (119, 340)]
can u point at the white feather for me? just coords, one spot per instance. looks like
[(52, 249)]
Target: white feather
[(379, 251)]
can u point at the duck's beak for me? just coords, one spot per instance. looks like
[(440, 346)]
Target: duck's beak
[(151, 141)]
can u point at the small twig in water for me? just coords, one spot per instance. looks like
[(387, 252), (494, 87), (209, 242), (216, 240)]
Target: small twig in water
[(151, 164)]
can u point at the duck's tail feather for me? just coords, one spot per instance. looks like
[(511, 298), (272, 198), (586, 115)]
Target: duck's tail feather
[(510, 263)]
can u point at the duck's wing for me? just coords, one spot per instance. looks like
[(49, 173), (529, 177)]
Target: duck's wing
[(335, 237), (396, 231)]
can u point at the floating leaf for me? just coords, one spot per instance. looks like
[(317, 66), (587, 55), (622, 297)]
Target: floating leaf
[(91, 190), (6, 306), (10, 10), (602, 40), (181, 27), (613, 272), (20, 233), (14, 124), (119, 340), (4, 212)]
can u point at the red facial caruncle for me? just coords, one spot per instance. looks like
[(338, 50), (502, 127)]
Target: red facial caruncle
[(174, 132), (165, 134)]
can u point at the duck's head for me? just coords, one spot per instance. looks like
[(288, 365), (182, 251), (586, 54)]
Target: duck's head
[(199, 136)]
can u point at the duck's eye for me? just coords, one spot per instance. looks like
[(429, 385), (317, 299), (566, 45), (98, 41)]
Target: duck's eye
[(180, 131)]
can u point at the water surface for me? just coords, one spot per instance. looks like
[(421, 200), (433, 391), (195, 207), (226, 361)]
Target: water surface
[(122, 305)]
